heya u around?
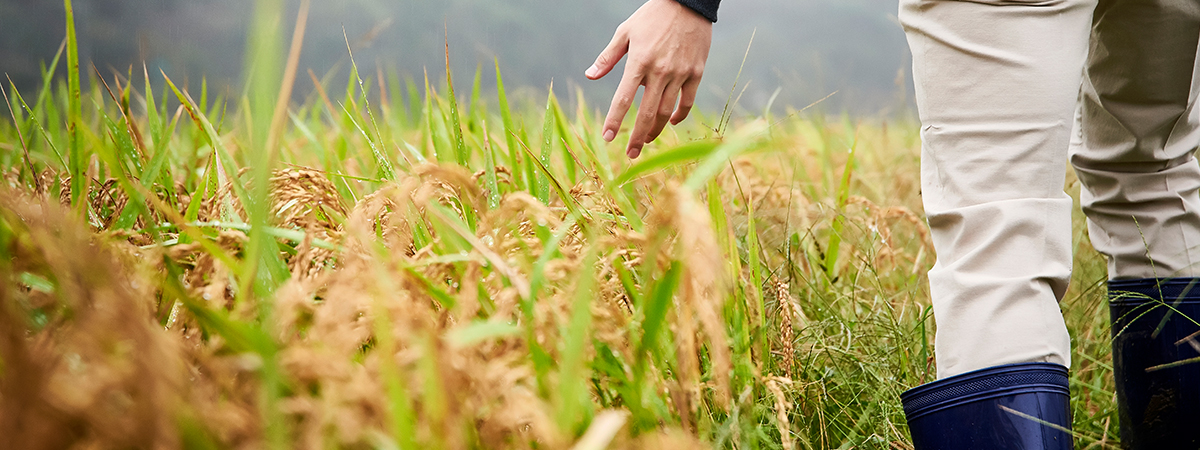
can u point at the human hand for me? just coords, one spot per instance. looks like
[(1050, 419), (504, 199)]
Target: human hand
[(667, 44)]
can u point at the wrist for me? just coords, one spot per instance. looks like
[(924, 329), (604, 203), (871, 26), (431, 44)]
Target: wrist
[(704, 8)]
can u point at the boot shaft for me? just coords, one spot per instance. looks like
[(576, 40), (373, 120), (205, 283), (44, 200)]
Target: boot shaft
[(1156, 361), (1012, 407)]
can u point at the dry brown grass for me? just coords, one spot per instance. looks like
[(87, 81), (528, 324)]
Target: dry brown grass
[(92, 367)]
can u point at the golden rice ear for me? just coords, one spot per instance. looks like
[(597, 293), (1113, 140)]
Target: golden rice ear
[(382, 214), (302, 197), (703, 289), (92, 367), (791, 317), (782, 407), (672, 438), (456, 179)]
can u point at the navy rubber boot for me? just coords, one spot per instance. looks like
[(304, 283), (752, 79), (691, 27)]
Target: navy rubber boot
[(1156, 361), (1012, 407)]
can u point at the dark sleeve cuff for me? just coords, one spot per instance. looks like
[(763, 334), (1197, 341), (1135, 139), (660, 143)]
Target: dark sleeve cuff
[(706, 8)]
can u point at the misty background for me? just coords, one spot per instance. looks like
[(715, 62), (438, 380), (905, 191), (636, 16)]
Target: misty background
[(802, 50)]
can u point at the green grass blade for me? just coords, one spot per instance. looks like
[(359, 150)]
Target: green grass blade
[(510, 134), (447, 223), (207, 188), (683, 154), (478, 332), (153, 116), (478, 111), (541, 359), (542, 182), (136, 204), (549, 252), (263, 269), (440, 295), (44, 96), (833, 248), (549, 181), (744, 140), (571, 161), (375, 140), (653, 322), (238, 335), (386, 171), (36, 123), (414, 101), (434, 406), (754, 265), (654, 313), (489, 161), (123, 168), (77, 159), (211, 136), (574, 399), (155, 169), (460, 146), (442, 150)]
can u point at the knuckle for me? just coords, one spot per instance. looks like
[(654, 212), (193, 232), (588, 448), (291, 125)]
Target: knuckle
[(639, 67)]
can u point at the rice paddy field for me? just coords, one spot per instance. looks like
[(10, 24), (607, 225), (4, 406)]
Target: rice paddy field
[(392, 264)]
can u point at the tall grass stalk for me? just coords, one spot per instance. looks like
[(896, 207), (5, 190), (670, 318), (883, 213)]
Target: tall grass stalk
[(77, 160)]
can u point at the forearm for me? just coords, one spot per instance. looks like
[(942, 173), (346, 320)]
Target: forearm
[(706, 8)]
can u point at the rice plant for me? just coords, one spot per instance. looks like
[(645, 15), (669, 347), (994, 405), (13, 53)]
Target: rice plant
[(390, 264)]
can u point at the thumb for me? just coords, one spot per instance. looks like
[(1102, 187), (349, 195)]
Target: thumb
[(609, 57)]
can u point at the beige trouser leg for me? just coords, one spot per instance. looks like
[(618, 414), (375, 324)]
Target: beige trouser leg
[(1140, 129), (997, 82)]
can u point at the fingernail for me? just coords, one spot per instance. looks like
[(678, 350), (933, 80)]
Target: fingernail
[(633, 152), (592, 71), (609, 135)]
